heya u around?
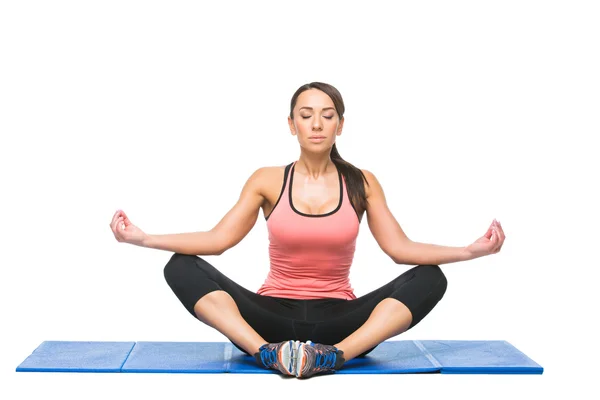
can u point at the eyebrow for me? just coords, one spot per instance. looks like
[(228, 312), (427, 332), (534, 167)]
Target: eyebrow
[(326, 108)]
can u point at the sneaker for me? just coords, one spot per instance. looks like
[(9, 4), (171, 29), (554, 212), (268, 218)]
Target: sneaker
[(314, 358), (279, 356)]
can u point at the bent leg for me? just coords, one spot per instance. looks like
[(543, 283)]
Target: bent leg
[(218, 310), (247, 319), (361, 324), (388, 319)]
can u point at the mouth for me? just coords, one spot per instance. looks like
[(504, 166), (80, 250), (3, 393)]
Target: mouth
[(317, 137)]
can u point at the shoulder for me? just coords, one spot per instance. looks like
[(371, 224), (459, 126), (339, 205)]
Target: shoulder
[(270, 172), (267, 171), (373, 187), (264, 177)]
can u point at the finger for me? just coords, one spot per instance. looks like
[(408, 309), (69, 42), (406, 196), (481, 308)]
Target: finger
[(115, 217), (114, 227), (492, 226), (493, 243), (501, 230), (499, 242), (113, 224), (500, 233), (498, 228), (495, 239), (119, 227), (488, 234), (126, 219)]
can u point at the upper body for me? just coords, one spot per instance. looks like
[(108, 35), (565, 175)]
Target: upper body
[(312, 225), (311, 256), (311, 252)]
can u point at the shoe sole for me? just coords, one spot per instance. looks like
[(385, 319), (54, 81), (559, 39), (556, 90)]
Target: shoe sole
[(300, 359), (287, 356)]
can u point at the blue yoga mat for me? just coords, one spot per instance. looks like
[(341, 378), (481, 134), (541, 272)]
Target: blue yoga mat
[(78, 357), (390, 357)]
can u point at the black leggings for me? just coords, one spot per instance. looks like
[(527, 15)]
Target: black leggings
[(326, 321)]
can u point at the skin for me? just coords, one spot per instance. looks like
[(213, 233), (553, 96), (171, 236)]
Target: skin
[(316, 191)]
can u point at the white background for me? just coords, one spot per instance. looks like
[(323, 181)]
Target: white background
[(465, 111)]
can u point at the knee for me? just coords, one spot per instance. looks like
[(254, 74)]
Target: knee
[(435, 276), (177, 265)]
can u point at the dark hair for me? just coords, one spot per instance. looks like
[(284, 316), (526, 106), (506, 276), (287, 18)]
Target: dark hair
[(354, 176)]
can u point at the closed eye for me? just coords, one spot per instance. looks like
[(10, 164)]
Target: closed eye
[(323, 117)]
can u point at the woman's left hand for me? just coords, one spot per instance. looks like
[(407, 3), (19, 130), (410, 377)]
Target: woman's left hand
[(490, 243)]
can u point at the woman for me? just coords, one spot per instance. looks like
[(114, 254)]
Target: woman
[(305, 318)]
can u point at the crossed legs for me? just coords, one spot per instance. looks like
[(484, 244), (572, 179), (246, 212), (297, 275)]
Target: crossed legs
[(382, 314)]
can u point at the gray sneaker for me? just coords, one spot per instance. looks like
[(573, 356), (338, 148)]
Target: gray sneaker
[(279, 356), (313, 358)]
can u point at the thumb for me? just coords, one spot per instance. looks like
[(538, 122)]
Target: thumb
[(490, 231), (125, 219), (494, 238)]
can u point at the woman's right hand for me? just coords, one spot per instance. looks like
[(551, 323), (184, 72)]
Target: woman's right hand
[(125, 231)]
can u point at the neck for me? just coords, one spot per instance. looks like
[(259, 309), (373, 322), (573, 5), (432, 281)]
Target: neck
[(315, 165)]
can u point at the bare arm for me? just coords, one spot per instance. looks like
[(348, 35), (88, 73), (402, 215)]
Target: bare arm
[(392, 239), (232, 228), (417, 253), (394, 242), (194, 243)]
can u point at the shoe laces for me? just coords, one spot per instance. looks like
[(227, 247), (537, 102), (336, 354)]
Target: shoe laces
[(268, 355), (325, 361), (324, 358)]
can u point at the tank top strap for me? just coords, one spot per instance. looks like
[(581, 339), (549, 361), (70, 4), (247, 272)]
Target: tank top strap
[(287, 179), (288, 174)]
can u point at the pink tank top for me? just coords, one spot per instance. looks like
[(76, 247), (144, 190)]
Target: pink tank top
[(310, 255)]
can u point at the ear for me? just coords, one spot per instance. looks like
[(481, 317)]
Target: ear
[(291, 124), (340, 126)]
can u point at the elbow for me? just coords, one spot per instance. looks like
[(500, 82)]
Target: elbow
[(219, 244), (401, 253), (396, 258), (221, 249), (223, 246)]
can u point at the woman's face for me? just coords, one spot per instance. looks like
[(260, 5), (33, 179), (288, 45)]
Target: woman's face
[(315, 115)]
